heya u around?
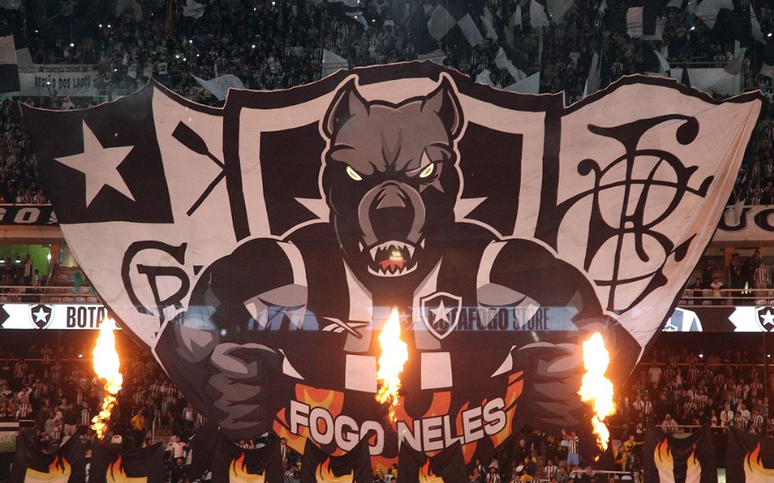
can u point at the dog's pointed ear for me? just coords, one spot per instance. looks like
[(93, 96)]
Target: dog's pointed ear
[(347, 103), (444, 102)]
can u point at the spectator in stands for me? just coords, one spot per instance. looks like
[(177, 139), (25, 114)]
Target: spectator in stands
[(550, 470), (177, 474), (717, 295), (493, 476), (573, 443), (138, 425), (669, 425)]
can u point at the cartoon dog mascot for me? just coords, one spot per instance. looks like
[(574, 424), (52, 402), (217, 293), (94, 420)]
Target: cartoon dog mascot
[(307, 309)]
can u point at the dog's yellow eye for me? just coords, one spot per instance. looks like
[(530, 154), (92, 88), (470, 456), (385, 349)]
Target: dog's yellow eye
[(353, 174), (427, 171)]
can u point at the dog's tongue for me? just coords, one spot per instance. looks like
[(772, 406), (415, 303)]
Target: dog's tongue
[(392, 264)]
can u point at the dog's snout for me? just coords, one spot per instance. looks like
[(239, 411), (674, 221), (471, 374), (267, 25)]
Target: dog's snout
[(391, 211), (391, 196)]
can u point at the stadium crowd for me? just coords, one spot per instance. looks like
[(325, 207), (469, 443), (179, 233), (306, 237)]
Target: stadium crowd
[(279, 44), (55, 388)]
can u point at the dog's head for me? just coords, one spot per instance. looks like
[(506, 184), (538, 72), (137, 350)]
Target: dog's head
[(391, 180)]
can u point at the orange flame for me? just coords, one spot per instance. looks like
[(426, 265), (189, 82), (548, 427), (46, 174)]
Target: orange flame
[(754, 471), (394, 356), (324, 474), (59, 471), (426, 475), (107, 366), (665, 463), (596, 388), (117, 474), (238, 472), (663, 459)]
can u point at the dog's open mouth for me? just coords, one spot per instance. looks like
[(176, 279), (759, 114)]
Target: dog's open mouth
[(391, 259)]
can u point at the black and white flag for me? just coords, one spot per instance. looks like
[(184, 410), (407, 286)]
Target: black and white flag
[(708, 10), (538, 14), (452, 25), (505, 59), (331, 62), (246, 244), (642, 22)]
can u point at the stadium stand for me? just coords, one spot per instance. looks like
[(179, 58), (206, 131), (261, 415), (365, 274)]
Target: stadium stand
[(282, 43)]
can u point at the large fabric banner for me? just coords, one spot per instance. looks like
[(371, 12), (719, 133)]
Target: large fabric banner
[(670, 459), (746, 225), (233, 464), (27, 215), (749, 458), (111, 464), (9, 431), (448, 466), (352, 467), (66, 80), (32, 465), (259, 249)]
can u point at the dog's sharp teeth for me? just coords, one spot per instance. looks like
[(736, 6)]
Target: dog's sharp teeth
[(373, 252), (422, 244), (410, 249), (361, 246)]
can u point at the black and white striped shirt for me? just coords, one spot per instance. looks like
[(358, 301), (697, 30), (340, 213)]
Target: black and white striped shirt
[(572, 444)]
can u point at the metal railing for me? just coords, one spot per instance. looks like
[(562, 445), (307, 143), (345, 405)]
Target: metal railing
[(632, 476), (67, 294), (728, 297)]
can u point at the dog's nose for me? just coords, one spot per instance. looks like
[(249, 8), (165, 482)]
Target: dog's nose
[(391, 197)]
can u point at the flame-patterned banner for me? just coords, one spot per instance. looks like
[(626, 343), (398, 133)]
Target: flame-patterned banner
[(447, 466), (317, 466), (31, 465), (749, 458), (670, 459), (233, 464), (111, 464)]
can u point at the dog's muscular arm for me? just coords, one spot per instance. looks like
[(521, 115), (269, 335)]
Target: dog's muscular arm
[(208, 349), (527, 274)]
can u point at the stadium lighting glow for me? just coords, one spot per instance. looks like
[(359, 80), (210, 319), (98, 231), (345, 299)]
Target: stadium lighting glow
[(72, 44)]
